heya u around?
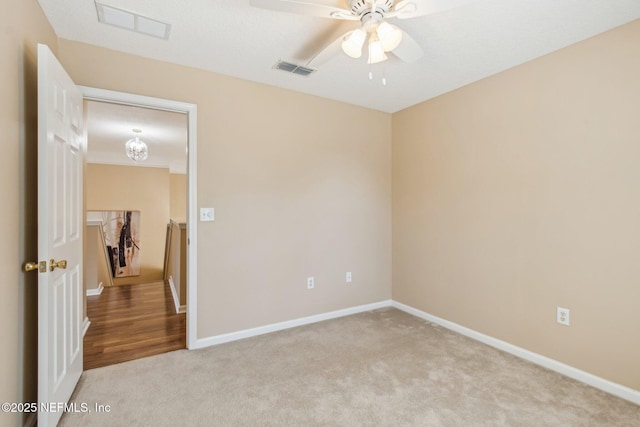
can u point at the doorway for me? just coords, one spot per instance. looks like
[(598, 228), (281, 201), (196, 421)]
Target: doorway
[(155, 289)]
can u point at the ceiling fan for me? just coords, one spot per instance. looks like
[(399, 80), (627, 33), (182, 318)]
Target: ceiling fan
[(381, 36)]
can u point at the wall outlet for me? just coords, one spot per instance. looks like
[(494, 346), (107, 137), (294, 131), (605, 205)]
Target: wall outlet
[(348, 277), (562, 316), (311, 282)]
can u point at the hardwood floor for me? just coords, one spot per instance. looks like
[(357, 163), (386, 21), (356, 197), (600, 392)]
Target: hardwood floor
[(130, 322)]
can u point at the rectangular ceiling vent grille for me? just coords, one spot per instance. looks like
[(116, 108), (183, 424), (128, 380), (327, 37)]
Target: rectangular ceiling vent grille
[(132, 21), (293, 68)]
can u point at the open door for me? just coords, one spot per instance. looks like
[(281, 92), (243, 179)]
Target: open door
[(60, 291)]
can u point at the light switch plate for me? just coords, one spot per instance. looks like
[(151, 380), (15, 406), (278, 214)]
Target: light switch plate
[(207, 214)]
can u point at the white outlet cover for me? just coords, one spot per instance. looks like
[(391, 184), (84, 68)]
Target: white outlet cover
[(563, 316), (348, 277), (207, 214), (310, 282)]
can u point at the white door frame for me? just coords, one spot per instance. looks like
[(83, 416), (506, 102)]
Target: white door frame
[(192, 217)]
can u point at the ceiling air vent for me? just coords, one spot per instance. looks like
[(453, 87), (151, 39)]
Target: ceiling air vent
[(293, 68), (132, 21)]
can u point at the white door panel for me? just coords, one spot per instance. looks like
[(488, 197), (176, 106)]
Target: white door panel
[(60, 296)]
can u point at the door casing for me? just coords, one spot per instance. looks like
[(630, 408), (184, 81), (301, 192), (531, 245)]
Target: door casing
[(95, 94)]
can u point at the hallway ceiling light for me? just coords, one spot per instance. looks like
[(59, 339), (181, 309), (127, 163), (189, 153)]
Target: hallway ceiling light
[(136, 148)]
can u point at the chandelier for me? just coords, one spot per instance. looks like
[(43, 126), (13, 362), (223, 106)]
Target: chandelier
[(136, 148)]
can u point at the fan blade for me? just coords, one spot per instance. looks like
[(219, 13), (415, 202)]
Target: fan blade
[(328, 52), (406, 9), (408, 50), (320, 8)]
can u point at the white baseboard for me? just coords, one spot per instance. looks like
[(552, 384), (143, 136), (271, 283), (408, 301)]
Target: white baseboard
[(32, 420), (96, 291), (247, 333), (85, 326), (554, 365), (176, 299), (569, 371)]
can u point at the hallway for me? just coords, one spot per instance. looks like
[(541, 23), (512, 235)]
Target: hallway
[(131, 322)]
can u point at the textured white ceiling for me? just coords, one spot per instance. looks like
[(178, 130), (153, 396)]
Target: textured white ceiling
[(461, 45), (110, 126)]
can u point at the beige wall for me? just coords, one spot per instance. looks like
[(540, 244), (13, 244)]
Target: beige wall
[(511, 196), (518, 194), (144, 189), (22, 29), (301, 187), (178, 195)]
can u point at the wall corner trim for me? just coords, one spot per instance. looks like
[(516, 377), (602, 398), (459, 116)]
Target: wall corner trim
[(176, 300), (538, 359), (248, 333), (85, 326), (95, 291)]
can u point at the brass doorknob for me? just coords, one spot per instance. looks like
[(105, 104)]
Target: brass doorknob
[(32, 266), (60, 264)]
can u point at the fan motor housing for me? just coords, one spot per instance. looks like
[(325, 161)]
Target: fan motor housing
[(363, 7)]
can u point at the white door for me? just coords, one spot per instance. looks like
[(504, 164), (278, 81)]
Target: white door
[(60, 292)]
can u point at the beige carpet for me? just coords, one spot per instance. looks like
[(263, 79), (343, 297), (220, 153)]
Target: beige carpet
[(381, 368)]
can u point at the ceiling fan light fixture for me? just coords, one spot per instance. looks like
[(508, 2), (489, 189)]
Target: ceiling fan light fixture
[(136, 148), (352, 44), (376, 51), (390, 36)]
